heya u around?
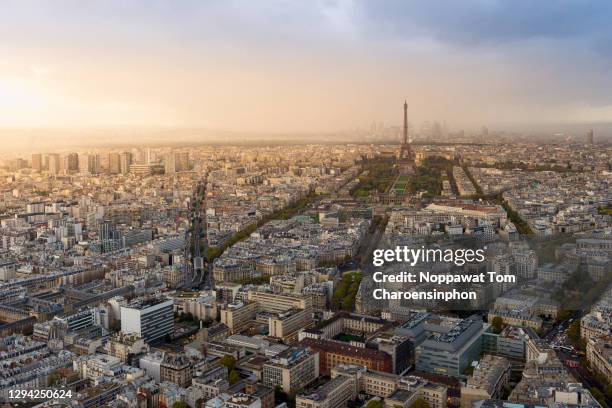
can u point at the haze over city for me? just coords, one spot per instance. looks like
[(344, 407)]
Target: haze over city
[(306, 204), (280, 67)]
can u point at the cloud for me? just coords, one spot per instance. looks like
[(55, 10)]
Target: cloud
[(491, 21)]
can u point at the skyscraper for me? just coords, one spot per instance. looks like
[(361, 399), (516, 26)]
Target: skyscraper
[(90, 164), (170, 163), (114, 163), (125, 162), (37, 162), (54, 163), (589, 137), (71, 163)]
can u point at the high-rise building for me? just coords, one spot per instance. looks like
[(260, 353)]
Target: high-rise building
[(37, 162), (125, 162), (90, 164), (170, 163), (151, 318), (71, 163), (114, 163), (54, 163), (589, 137)]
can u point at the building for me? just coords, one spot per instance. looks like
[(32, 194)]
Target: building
[(278, 303), (589, 137), (90, 164), (400, 349), (370, 382), (37, 162), (516, 318), (237, 315), (487, 381), (177, 369), (241, 400), (599, 355), (71, 163), (141, 169), (123, 346), (151, 364), (151, 319), (510, 343), (54, 164), (125, 161), (344, 322), (80, 320), (288, 323), (412, 388), (333, 394), (293, 369), (450, 351), (171, 163), (114, 163), (203, 307), (334, 353)]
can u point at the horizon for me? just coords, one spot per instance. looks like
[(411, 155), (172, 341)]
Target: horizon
[(290, 68)]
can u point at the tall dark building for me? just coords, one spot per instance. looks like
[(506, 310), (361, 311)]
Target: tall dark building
[(589, 137), (406, 156)]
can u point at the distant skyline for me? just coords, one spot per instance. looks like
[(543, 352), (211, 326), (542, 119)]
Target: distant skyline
[(303, 66)]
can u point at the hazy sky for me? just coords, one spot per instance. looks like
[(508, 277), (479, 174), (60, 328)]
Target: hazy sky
[(281, 65)]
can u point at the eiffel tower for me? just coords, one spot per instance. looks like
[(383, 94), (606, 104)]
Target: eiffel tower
[(405, 163)]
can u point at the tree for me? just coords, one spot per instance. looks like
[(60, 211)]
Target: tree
[(228, 361), (498, 324), (573, 332), (564, 315), (420, 403), (598, 395), (180, 404), (54, 378), (347, 303), (233, 377), (374, 404), (608, 391)]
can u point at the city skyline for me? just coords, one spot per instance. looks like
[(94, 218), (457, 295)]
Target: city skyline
[(292, 67)]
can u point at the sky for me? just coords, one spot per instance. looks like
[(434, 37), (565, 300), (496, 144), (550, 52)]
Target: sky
[(303, 66)]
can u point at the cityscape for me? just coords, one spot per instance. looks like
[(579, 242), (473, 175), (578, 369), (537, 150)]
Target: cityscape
[(180, 266)]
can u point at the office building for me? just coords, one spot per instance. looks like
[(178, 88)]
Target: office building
[(451, 350), (54, 164), (125, 161), (292, 370), (237, 315), (151, 319), (37, 164), (114, 163)]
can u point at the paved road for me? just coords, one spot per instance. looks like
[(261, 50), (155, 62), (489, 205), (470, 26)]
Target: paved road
[(370, 243)]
